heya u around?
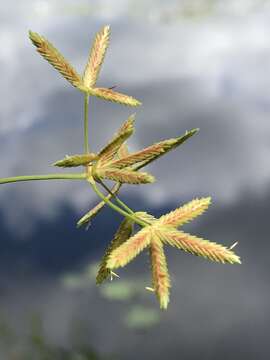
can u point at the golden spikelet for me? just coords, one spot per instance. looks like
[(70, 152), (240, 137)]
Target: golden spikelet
[(142, 155), (185, 213), (87, 82), (123, 233), (123, 151), (200, 247), (173, 143), (93, 212), (126, 130), (144, 216), (96, 57), (76, 160), (53, 56), (160, 274), (157, 233), (126, 252), (123, 176), (152, 152), (110, 95)]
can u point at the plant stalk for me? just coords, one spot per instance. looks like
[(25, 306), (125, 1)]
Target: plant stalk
[(113, 206), (120, 202), (86, 120), (43, 177)]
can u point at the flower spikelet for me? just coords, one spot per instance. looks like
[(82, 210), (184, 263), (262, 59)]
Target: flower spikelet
[(76, 160), (125, 131), (93, 212), (142, 155), (150, 153), (160, 275), (200, 247), (123, 151), (129, 249), (144, 216), (110, 95), (163, 231), (53, 56), (174, 143), (185, 213), (87, 82), (123, 233), (96, 57), (123, 176)]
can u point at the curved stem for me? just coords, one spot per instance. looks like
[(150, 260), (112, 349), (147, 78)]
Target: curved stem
[(120, 202), (43, 177), (86, 130), (115, 207)]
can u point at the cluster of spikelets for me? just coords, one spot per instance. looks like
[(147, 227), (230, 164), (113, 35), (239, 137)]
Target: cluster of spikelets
[(114, 162), (154, 235), (87, 82)]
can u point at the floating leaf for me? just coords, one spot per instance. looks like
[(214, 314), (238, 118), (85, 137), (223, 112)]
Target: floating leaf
[(57, 60), (96, 57), (76, 160)]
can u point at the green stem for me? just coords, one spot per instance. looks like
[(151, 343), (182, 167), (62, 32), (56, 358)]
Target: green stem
[(115, 207), (43, 177), (86, 130), (120, 202)]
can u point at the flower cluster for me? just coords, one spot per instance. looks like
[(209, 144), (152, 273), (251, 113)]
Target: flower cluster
[(114, 162)]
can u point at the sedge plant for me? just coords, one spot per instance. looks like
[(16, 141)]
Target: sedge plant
[(115, 162)]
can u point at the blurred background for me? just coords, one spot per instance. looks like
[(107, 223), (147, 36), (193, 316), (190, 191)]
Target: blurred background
[(193, 63)]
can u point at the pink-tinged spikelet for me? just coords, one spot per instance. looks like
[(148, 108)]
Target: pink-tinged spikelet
[(96, 57), (55, 58)]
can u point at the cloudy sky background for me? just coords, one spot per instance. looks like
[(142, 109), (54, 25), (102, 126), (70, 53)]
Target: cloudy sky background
[(192, 64)]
